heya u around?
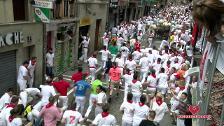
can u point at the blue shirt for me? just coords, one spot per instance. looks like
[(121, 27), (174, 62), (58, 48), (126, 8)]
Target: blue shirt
[(81, 87)]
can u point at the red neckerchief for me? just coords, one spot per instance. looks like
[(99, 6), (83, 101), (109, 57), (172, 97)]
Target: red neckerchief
[(11, 105), (130, 101), (168, 65), (159, 101), (182, 88), (141, 104), (134, 81), (129, 73), (104, 114), (49, 105), (11, 117), (153, 75)]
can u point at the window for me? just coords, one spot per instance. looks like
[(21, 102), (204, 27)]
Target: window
[(19, 10)]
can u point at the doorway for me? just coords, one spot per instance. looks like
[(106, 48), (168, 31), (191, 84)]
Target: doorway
[(97, 34), (83, 30)]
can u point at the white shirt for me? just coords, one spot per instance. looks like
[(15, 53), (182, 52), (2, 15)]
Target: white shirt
[(131, 65), (189, 50), (105, 41), (46, 92), (31, 68), (29, 91), (160, 111), (151, 58), (22, 72), (120, 62), (162, 80), (110, 120), (120, 41), (127, 80), (136, 87), (4, 100), (5, 113), (14, 122), (136, 55), (175, 65), (140, 112), (101, 98), (85, 43), (152, 81), (157, 67), (72, 118), (92, 62), (124, 51), (144, 63), (105, 54), (50, 59), (128, 109)]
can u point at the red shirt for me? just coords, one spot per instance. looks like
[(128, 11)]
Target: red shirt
[(77, 76), (61, 86)]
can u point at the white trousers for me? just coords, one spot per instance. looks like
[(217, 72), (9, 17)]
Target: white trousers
[(80, 103), (126, 123), (63, 100), (143, 75), (22, 85), (92, 74), (92, 99), (30, 82), (180, 122), (84, 54)]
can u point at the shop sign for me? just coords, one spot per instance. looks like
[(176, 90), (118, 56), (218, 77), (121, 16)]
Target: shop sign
[(85, 21), (42, 15), (43, 4), (11, 39)]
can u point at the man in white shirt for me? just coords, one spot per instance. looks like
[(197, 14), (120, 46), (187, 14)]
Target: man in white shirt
[(105, 40), (29, 92), (151, 83), (104, 118), (157, 66), (71, 117), (31, 69), (92, 61), (120, 42), (162, 81), (50, 62), (127, 108), (131, 64), (101, 100), (144, 65), (85, 45), (5, 99), (6, 110), (160, 107), (136, 88), (141, 111), (136, 55), (150, 56), (47, 91), (124, 52), (104, 56), (127, 78), (120, 63), (23, 76)]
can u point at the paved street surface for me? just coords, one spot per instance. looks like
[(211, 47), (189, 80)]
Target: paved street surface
[(116, 101)]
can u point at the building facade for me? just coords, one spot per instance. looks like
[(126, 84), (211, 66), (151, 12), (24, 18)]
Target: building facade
[(20, 39)]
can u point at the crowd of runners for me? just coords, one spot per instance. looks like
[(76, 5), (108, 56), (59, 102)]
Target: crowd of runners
[(153, 80)]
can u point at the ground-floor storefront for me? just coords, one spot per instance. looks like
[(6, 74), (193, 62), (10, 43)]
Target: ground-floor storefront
[(19, 42)]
